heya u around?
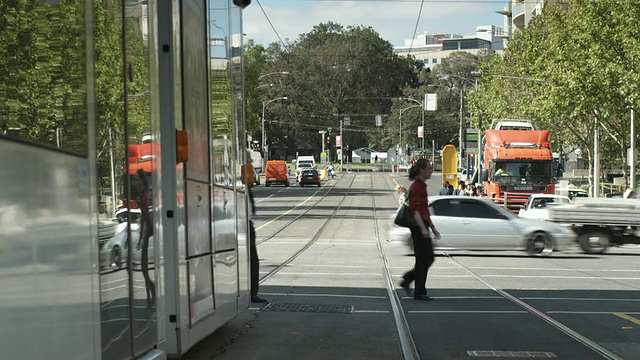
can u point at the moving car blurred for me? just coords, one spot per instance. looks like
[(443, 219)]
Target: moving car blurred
[(537, 205), (471, 223), (309, 177)]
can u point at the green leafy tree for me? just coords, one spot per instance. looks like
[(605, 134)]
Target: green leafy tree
[(334, 72)]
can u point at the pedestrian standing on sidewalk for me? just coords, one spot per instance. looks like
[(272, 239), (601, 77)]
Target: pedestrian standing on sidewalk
[(423, 247), (253, 249)]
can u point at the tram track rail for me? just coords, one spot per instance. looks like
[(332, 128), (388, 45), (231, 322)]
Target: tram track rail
[(539, 313), (312, 241), (293, 220), (407, 343)]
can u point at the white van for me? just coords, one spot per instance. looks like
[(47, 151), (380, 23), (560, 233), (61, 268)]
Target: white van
[(306, 159), (256, 161)]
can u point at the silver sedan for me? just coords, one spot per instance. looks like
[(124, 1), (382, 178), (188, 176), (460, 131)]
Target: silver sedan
[(472, 223)]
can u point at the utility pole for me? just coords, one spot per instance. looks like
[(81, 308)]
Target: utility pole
[(342, 154), (632, 178), (460, 131)]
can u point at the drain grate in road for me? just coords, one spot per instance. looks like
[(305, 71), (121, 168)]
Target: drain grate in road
[(317, 308), (511, 354)]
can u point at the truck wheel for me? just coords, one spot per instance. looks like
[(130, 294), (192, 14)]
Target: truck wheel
[(539, 244), (267, 184), (594, 242)]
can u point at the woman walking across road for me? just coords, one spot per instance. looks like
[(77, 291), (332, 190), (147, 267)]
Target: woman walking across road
[(423, 247)]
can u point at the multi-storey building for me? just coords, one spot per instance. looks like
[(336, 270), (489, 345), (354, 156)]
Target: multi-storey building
[(518, 14), (432, 48)]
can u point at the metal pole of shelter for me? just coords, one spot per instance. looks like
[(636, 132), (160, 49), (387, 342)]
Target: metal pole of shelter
[(264, 138)]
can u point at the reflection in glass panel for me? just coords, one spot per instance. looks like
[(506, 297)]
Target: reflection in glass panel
[(119, 223), (140, 171), (43, 73), (220, 87)]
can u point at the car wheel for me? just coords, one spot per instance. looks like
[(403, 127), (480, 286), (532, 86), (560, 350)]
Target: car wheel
[(540, 244), (116, 257), (594, 242)]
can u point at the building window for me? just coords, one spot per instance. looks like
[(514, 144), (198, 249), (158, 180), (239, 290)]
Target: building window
[(434, 61)]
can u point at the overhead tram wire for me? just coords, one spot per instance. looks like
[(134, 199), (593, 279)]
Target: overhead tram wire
[(271, 24), (429, 1), (415, 30)]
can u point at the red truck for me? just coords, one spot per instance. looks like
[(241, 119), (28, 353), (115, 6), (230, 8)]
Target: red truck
[(140, 157), (517, 163)]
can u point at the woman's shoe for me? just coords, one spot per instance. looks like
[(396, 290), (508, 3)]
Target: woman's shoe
[(423, 298), (255, 298), (405, 285)]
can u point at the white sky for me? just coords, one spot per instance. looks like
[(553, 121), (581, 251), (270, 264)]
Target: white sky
[(394, 20)]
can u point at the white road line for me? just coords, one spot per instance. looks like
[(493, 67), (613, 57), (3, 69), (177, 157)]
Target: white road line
[(561, 277), (279, 216), (326, 295), (468, 312), (371, 311), (577, 299), (591, 312), (328, 274), (549, 269)]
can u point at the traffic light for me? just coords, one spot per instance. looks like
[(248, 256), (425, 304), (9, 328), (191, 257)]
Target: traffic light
[(327, 141)]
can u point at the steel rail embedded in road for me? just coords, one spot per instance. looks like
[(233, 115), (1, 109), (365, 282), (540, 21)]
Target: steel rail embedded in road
[(408, 346), (540, 314), (312, 241)]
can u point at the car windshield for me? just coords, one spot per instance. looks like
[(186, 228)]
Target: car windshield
[(523, 172)]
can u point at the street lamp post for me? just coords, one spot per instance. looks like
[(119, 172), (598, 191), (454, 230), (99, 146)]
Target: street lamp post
[(473, 83), (419, 103), (273, 73), (266, 149), (322, 132)]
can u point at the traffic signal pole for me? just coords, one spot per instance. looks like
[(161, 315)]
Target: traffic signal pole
[(341, 146)]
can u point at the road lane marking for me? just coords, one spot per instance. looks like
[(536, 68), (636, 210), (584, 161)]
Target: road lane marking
[(511, 354), (372, 311), (326, 295), (468, 312), (294, 208), (549, 269), (628, 317), (560, 277), (543, 316), (575, 299), (587, 312)]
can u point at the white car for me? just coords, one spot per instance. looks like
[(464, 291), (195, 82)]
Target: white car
[(473, 223), (537, 205)]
